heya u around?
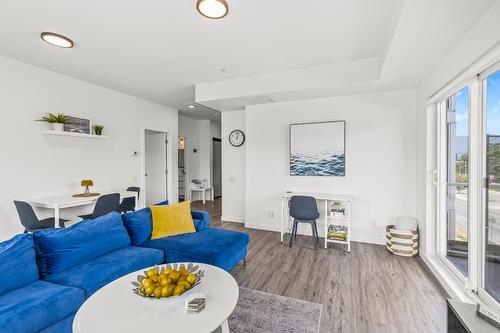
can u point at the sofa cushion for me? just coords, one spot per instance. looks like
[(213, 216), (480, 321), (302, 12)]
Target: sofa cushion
[(38, 305), (62, 326), (17, 263), (60, 249), (96, 273), (218, 247), (139, 225)]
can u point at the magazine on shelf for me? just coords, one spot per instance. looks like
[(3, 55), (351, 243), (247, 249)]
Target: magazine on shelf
[(337, 232)]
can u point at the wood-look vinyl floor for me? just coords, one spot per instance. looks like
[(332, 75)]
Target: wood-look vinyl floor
[(368, 290)]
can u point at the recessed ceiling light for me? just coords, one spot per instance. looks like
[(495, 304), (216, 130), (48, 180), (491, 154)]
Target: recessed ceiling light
[(212, 9), (191, 106), (57, 40), (216, 114)]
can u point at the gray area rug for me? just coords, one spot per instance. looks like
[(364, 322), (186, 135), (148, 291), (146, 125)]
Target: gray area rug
[(257, 311)]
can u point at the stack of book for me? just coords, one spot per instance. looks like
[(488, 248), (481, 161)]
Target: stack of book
[(337, 211), (196, 305), (337, 232)]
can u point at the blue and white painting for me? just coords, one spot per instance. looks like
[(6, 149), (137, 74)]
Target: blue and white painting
[(317, 149)]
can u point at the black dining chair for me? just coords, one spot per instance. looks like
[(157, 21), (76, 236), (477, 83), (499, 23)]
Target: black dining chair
[(105, 204), (30, 221), (128, 204), (304, 209)]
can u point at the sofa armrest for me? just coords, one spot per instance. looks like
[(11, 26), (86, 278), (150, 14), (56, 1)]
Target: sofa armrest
[(201, 219)]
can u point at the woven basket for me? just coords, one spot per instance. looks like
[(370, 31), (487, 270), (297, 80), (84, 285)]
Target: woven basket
[(401, 243)]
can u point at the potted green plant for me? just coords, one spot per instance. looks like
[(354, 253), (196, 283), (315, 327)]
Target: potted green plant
[(57, 120), (98, 129)]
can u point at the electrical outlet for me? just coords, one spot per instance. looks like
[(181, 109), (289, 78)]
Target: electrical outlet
[(270, 213)]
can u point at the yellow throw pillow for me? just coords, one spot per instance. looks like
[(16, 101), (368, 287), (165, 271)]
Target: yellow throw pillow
[(172, 220)]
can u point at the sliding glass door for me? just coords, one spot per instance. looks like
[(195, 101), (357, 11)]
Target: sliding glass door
[(491, 232)]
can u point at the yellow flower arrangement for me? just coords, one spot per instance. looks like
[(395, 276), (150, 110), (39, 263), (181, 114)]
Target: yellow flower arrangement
[(87, 182)]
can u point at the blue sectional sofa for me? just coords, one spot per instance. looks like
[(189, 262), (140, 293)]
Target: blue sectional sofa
[(46, 276)]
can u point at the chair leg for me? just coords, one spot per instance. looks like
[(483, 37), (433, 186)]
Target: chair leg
[(315, 234), (294, 231)]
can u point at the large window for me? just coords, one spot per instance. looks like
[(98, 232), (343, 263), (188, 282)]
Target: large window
[(491, 98), (468, 182)]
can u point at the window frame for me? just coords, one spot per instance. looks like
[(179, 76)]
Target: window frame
[(481, 239), (442, 183)]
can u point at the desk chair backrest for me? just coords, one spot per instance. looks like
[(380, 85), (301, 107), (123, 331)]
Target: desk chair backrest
[(303, 208), (105, 204), (128, 204), (26, 215)]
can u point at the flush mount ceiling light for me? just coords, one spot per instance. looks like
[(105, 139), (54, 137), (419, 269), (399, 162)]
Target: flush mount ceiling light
[(191, 106), (57, 40), (212, 9)]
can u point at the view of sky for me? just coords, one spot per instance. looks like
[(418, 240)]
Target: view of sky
[(493, 103), (492, 107)]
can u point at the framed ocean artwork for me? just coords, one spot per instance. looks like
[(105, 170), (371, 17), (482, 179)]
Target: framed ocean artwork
[(317, 149)]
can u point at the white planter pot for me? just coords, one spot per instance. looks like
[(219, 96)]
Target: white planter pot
[(58, 127)]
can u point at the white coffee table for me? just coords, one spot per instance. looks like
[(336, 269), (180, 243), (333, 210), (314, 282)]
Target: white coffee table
[(115, 308)]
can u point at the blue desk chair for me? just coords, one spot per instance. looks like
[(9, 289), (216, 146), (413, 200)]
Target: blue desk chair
[(29, 220), (304, 210), (105, 204), (128, 204)]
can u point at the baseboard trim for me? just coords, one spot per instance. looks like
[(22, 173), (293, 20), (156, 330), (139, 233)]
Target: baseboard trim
[(361, 238), (228, 218)]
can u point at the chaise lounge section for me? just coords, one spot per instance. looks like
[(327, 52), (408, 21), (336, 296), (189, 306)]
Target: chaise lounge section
[(218, 247)]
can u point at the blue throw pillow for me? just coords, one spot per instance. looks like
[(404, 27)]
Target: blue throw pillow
[(60, 249), (139, 224), (17, 263)]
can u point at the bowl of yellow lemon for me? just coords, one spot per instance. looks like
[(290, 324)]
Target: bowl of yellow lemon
[(166, 281)]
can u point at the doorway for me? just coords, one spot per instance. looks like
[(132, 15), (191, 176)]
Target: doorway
[(217, 166), (155, 167)]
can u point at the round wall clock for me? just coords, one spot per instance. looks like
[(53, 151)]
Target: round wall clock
[(237, 138)]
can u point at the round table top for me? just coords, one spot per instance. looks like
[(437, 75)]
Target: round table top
[(115, 308)]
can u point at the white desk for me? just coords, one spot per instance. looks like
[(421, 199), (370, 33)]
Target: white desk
[(203, 190), (68, 201), (324, 198)]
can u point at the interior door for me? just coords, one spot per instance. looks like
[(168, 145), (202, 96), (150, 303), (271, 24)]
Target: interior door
[(217, 167), (156, 167)]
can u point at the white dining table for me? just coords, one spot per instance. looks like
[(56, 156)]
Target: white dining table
[(59, 202)]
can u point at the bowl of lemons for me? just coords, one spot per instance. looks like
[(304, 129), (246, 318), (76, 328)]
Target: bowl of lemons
[(167, 281)]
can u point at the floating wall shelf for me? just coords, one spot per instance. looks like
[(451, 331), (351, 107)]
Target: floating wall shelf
[(73, 134)]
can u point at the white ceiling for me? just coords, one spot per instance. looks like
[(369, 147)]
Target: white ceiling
[(160, 49)]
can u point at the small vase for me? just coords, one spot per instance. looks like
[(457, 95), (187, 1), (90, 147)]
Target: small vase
[(58, 127)]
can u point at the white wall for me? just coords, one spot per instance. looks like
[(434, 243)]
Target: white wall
[(479, 39), (34, 165), (233, 169), (380, 159)]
